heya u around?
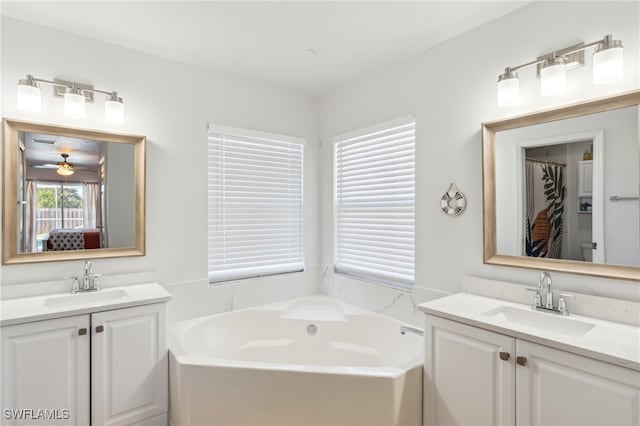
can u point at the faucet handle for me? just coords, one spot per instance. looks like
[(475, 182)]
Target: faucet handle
[(75, 286), (96, 281), (537, 298), (562, 303)]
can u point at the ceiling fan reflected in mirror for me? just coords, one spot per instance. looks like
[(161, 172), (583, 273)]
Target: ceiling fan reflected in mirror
[(65, 168)]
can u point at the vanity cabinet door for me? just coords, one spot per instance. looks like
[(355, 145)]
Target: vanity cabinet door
[(129, 365), (45, 369), (559, 388), (469, 375)]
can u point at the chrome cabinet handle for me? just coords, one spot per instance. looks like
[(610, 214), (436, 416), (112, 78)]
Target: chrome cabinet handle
[(521, 360)]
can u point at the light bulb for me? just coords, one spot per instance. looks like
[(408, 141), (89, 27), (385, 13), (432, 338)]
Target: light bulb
[(114, 109), (65, 170), (508, 89), (553, 77), (29, 95), (74, 103), (608, 62)]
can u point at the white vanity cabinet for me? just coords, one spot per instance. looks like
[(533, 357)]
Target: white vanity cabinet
[(45, 365), (478, 377), (555, 387), (106, 368), (466, 382), (129, 366)]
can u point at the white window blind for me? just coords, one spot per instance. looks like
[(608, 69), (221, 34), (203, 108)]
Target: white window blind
[(375, 203), (255, 204)]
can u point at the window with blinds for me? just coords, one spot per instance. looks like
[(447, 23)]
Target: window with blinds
[(375, 203), (255, 204)]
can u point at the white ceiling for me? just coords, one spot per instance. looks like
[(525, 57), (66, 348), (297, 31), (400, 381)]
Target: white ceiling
[(46, 149), (269, 41)]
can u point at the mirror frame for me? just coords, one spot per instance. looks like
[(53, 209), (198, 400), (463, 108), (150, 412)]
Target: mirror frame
[(10, 253), (489, 130)]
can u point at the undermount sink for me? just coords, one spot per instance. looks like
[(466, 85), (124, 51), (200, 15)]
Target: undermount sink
[(93, 298), (540, 320)]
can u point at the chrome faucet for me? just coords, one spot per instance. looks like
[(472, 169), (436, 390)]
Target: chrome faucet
[(544, 283), (544, 292), (88, 271), (90, 281), (405, 330)]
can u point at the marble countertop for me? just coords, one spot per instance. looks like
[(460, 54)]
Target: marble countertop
[(37, 308), (605, 340)]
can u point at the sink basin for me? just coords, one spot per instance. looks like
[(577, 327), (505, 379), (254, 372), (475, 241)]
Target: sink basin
[(540, 320), (93, 298)]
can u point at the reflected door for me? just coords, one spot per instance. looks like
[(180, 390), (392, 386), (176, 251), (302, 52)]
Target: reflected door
[(22, 196)]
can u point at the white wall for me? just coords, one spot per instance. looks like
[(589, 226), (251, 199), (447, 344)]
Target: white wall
[(451, 90), (171, 103)]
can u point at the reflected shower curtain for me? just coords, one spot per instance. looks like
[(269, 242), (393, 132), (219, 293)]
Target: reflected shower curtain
[(30, 216), (91, 207), (544, 208)]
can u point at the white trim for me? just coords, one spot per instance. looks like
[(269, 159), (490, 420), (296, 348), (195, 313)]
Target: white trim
[(402, 121), (276, 137), (597, 214)]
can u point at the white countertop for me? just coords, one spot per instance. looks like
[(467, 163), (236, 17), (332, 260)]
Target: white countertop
[(607, 341), (38, 308)]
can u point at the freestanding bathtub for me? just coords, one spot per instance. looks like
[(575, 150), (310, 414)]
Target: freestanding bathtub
[(308, 361)]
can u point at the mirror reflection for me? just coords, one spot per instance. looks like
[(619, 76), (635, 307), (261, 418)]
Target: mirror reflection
[(568, 189), (74, 194)]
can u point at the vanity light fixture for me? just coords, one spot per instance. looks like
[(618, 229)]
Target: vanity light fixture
[(74, 103), (608, 66), (75, 95)]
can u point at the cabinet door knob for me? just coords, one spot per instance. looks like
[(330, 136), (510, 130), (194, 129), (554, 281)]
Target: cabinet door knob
[(505, 356), (99, 329), (82, 331), (521, 360)]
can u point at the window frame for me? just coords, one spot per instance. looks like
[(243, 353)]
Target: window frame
[(259, 271), (372, 278)]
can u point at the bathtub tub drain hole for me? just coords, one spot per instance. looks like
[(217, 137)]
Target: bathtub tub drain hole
[(312, 329)]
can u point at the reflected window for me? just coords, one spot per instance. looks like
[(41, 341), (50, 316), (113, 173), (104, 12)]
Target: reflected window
[(60, 210)]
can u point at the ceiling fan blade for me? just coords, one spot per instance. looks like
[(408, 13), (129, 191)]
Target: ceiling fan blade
[(55, 166), (44, 166)]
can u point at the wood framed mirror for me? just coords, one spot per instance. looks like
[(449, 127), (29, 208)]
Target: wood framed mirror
[(561, 187), (71, 194)]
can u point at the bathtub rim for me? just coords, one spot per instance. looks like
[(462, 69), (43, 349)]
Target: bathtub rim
[(205, 362), (177, 352)]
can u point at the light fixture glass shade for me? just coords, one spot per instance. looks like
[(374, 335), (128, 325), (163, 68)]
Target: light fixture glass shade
[(114, 111), (65, 169), (553, 78), (608, 65), (74, 104), (508, 90), (29, 97)]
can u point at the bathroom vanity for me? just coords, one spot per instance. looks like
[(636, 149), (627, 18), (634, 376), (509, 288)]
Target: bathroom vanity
[(95, 358), (490, 361)]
